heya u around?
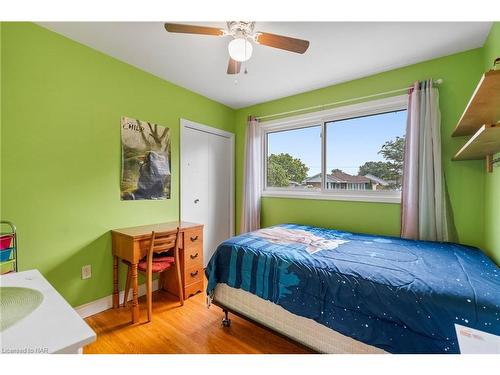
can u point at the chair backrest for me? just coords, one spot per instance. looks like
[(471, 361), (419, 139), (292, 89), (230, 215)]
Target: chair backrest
[(163, 241)]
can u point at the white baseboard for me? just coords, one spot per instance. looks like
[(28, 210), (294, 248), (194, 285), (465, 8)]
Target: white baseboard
[(105, 303)]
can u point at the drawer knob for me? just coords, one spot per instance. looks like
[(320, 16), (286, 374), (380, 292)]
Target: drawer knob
[(193, 256), (194, 238), (193, 274)]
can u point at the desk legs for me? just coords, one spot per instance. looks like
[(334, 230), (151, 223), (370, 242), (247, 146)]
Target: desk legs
[(135, 289), (116, 302), (135, 302)]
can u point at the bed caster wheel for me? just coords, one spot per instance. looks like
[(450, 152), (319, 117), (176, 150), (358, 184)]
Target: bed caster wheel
[(226, 322)]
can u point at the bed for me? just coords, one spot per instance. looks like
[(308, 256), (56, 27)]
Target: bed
[(341, 292)]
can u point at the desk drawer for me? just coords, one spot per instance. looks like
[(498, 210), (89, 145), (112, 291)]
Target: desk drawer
[(193, 238), (193, 289), (193, 256), (193, 275)]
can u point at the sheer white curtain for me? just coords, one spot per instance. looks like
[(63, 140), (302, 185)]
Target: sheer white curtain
[(424, 211), (252, 178)]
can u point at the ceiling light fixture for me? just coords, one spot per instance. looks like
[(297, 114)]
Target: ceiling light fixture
[(240, 49)]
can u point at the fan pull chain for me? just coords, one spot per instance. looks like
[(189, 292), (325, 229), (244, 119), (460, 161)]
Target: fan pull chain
[(246, 40), (236, 75)]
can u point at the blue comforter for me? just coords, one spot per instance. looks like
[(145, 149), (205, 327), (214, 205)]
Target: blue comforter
[(399, 295)]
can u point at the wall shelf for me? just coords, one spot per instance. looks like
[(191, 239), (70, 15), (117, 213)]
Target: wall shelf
[(483, 107), (485, 142)]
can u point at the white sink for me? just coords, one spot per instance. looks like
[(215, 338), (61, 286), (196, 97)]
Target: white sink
[(34, 318), (16, 304)]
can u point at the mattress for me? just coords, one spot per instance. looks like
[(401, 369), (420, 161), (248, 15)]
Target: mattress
[(401, 296), (303, 330)]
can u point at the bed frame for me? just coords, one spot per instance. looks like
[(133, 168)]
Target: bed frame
[(226, 322), (304, 332)]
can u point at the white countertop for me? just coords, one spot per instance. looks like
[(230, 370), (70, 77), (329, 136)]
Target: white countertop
[(53, 327)]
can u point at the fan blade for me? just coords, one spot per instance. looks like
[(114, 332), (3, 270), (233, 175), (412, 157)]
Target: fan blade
[(233, 67), (192, 29), (282, 42)]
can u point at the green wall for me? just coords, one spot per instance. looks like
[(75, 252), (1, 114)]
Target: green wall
[(491, 51), (491, 48), (61, 104), (461, 73), (60, 152)]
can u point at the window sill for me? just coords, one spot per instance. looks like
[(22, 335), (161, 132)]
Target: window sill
[(373, 197)]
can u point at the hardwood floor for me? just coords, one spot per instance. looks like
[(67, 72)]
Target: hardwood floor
[(191, 328)]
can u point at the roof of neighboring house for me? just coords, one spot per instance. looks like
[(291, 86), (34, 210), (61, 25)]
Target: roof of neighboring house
[(339, 177), (377, 179), (315, 178)]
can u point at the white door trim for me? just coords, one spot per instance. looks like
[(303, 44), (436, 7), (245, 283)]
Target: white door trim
[(187, 124)]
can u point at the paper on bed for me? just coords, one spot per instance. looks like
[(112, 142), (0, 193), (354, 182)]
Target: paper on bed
[(473, 341)]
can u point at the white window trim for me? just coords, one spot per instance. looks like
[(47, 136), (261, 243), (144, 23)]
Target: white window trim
[(395, 103)]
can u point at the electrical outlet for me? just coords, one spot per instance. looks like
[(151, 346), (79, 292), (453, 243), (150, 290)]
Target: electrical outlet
[(86, 272)]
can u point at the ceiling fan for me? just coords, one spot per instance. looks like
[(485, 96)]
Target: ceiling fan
[(240, 48)]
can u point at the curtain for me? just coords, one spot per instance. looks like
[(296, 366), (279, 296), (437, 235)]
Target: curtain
[(252, 180), (424, 206)]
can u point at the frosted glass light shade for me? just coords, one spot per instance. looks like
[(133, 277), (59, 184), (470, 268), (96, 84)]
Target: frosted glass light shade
[(240, 49)]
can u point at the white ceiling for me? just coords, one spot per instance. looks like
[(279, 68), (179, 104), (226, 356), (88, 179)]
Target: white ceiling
[(339, 51)]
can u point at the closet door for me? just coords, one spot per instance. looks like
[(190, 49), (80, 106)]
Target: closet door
[(206, 186), (218, 220), (194, 175)]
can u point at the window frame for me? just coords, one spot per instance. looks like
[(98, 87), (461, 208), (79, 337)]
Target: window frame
[(321, 118)]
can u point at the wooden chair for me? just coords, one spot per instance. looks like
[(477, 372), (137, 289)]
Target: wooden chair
[(156, 261)]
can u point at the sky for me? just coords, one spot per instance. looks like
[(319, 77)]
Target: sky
[(350, 143)]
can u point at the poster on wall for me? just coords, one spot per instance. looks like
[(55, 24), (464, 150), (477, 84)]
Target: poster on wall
[(145, 160)]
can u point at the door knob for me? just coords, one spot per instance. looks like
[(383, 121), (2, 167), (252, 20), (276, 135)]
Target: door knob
[(196, 200)]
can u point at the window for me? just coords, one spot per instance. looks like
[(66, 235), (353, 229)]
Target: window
[(293, 157), (366, 153), (360, 156)]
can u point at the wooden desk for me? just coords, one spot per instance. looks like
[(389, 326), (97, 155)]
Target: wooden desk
[(132, 244)]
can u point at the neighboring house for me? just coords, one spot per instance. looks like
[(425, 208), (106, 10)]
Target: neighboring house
[(377, 182), (344, 181), (313, 181)]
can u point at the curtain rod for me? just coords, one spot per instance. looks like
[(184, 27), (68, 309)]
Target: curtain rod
[(322, 106)]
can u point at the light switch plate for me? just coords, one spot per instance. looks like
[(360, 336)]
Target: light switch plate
[(86, 272)]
